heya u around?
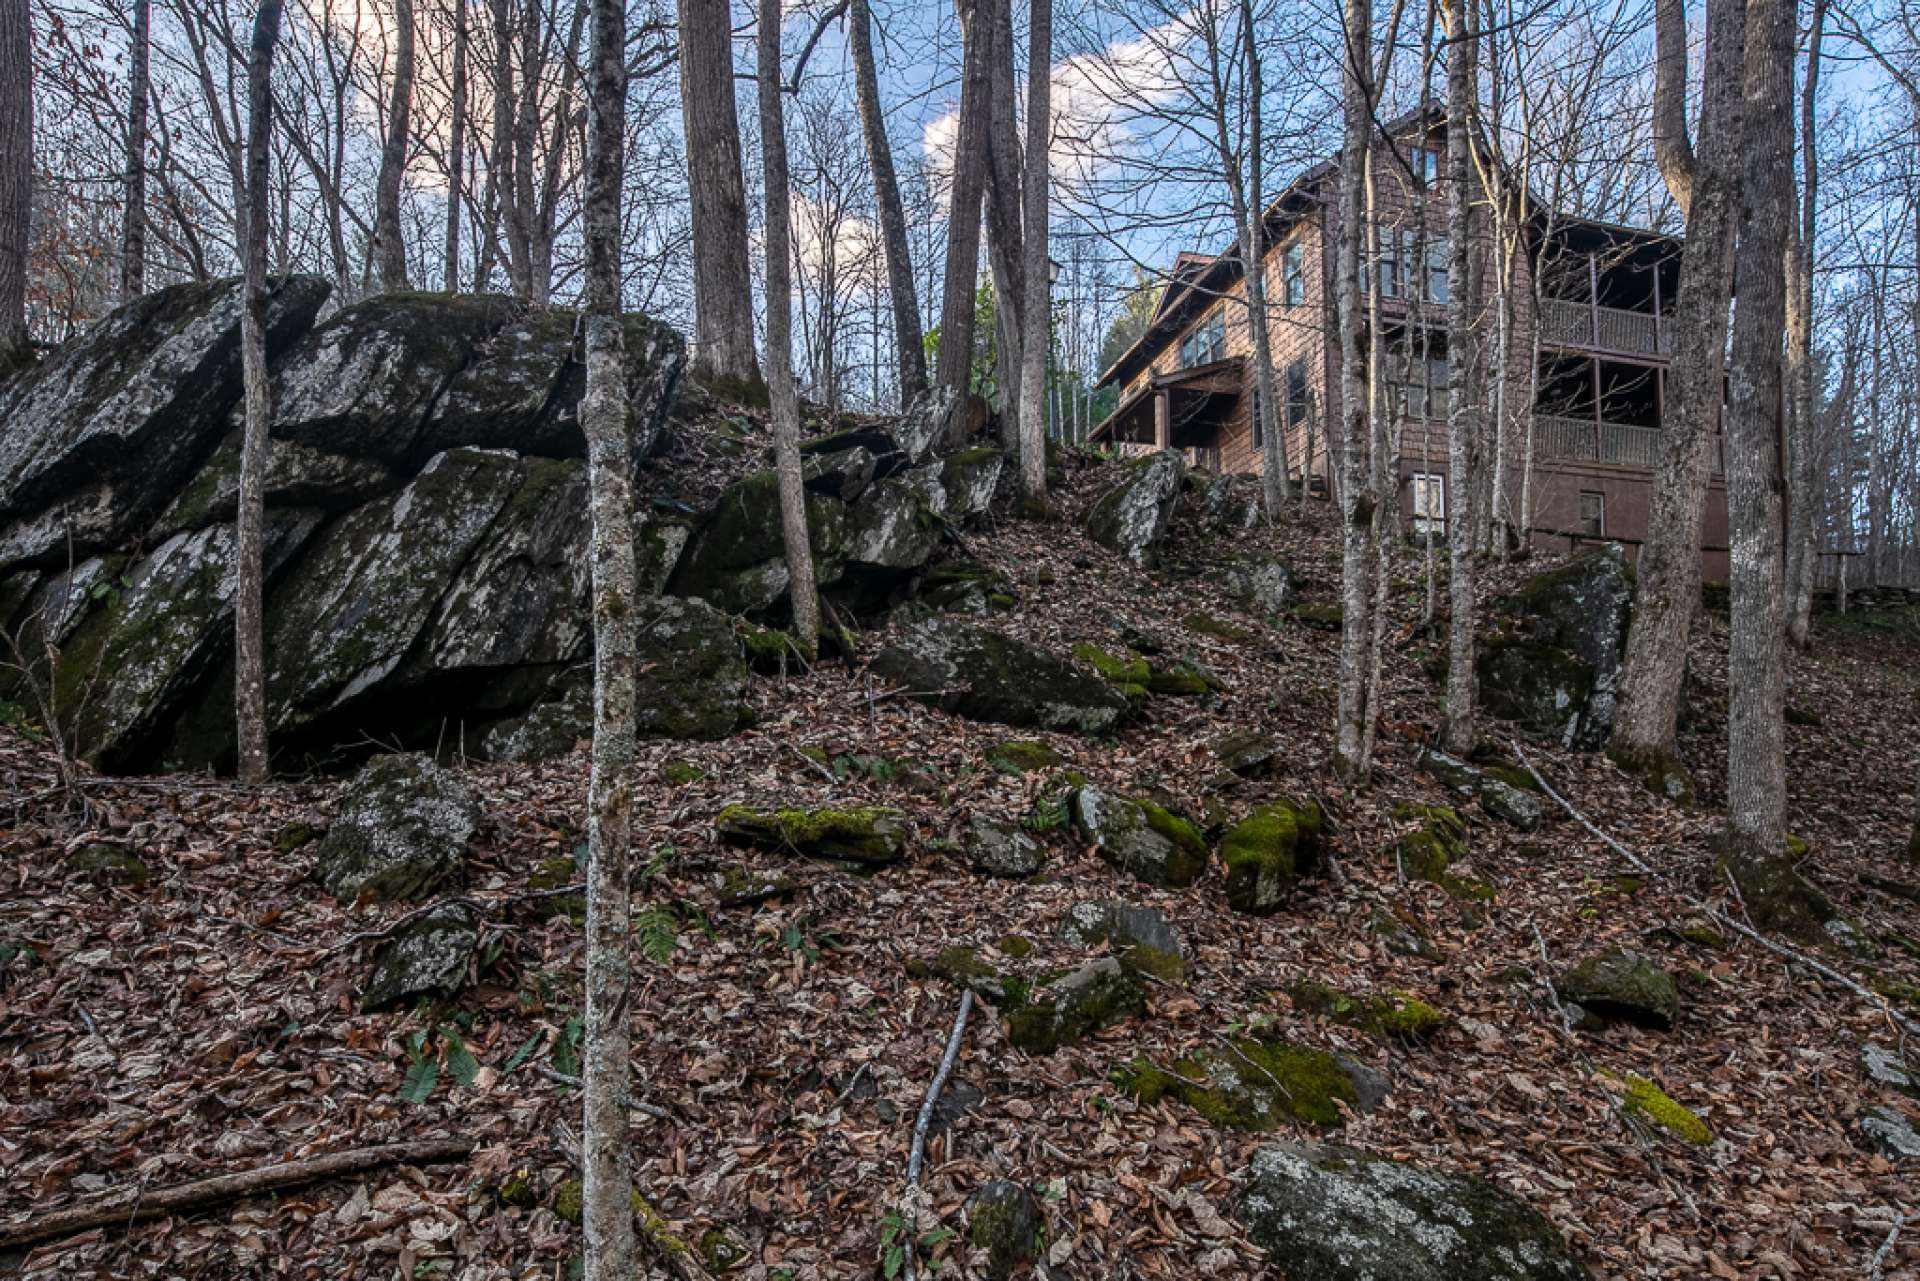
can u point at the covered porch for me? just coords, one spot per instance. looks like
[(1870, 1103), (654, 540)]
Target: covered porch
[(1183, 409)]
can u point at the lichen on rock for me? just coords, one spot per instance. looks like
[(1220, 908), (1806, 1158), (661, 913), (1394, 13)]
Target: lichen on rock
[(1142, 938), (400, 831), (1139, 837), (1131, 518), (1249, 1083)]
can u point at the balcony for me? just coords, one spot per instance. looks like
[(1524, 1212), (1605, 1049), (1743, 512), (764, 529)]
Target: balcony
[(1566, 323), (1614, 444)]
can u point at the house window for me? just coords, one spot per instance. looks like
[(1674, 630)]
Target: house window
[(1429, 502), (1293, 275), (1299, 397), (1437, 270), (1593, 514), (1424, 394), (1398, 270), (1206, 343), (1425, 163)]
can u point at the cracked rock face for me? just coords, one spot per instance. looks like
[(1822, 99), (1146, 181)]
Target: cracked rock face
[(1330, 1213), (428, 955), (400, 831), (1132, 517)]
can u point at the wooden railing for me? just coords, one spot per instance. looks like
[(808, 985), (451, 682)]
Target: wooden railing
[(1566, 323), (1616, 444)]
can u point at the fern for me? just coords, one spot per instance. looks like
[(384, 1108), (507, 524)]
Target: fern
[(520, 1055), (460, 1061), (566, 1048), (658, 930)]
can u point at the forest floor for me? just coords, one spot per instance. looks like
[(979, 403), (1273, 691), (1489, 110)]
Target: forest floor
[(205, 1021)]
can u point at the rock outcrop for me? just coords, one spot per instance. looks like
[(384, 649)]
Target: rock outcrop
[(1335, 1214), (987, 675), (400, 831), (1131, 518), (1555, 667)]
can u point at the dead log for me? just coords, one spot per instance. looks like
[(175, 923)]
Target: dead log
[(150, 1203)]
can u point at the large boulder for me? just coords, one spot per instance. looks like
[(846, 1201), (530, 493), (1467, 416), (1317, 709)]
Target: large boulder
[(1623, 984), (1555, 666), (99, 436), (400, 831), (1141, 937), (1074, 1006), (1131, 518), (1152, 843), (1261, 583), (1335, 1214), (986, 675), (691, 675), (426, 956), (736, 559)]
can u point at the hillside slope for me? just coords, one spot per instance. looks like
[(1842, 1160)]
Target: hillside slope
[(205, 1019)]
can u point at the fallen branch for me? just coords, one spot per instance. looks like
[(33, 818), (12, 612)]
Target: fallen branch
[(152, 1203), (1721, 918), (1885, 1251), (917, 1153), (814, 765)]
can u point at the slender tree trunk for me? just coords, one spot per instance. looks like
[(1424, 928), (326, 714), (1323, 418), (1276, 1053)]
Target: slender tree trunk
[(1463, 409), (1648, 711), (1756, 650), (133, 226), (1803, 431), (801, 591), (496, 195), (722, 266), (908, 344), (250, 668), (456, 146), (16, 171), (1033, 354), (954, 366), (389, 244), (1003, 224), (607, 1211), (1253, 251), (1358, 498), (1913, 841)]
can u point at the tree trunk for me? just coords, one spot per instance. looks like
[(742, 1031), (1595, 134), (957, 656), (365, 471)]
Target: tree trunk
[(133, 227), (1464, 431), (1033, 355), (722, 267), (1358, 498), (1756, 650), (456, 146), (1648, 710), (907, 340), (16, 172), (1803, 431), (497, 193), (389, 244), (250, 674), (1253, 251), (954, 366), (606, 1163), (1003, 224), (801, 592)]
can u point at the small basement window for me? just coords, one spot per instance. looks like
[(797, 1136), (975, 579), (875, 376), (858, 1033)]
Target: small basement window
[(1429, 502), (1593, 514)]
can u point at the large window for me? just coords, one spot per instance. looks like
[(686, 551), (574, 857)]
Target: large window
[(1293, 275), (1206, 343), (1423, 394), (1429, 502), (1400, 273), (1298, 396), (1425, 163), (1593, 513)]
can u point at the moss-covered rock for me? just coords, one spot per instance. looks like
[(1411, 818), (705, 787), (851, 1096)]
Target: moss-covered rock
[(1335, 1214), (985, 675), (1254, 1084), (1267, 852), (1131, 517), (1644, 1099), (735, 560), (966, 587), (1398, 1016), (866, 834), (1003, 1223), (1217, 627), (1119, 670), (400, 831), (427, 955), (1560, 673), (1074, 1006), (1321, 617), (557, 874), (1262, 584), (1542, 687), (1778, 898), (102, 861), (1141, 938), (681, 773), (1625, 985), (841, 473), (1247, 753), (1659, 771), (1428, 852), (740, 886), (1184, 679), (1023, 756), (1139, 837)]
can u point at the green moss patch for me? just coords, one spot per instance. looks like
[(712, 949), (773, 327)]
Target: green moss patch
[(1023, 756), (1399, 1016), (868, 834), (1650, 1103), (1267, 852), (1326, 618), (1249, 1084), (1218, 628), (101, 861), (681, 773)]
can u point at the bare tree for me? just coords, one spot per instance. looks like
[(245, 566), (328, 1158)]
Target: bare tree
[(1803, 431), (16, 171), (133, 235), (1033, 355), (907, 341), (801, 591), (250, 668), (1358, 499), (1464, 427), (954, 366), (1756, 649), (389, 243), (456, 146), (722, 275), (606, 1210), (1004, 254), (1704, 180)]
